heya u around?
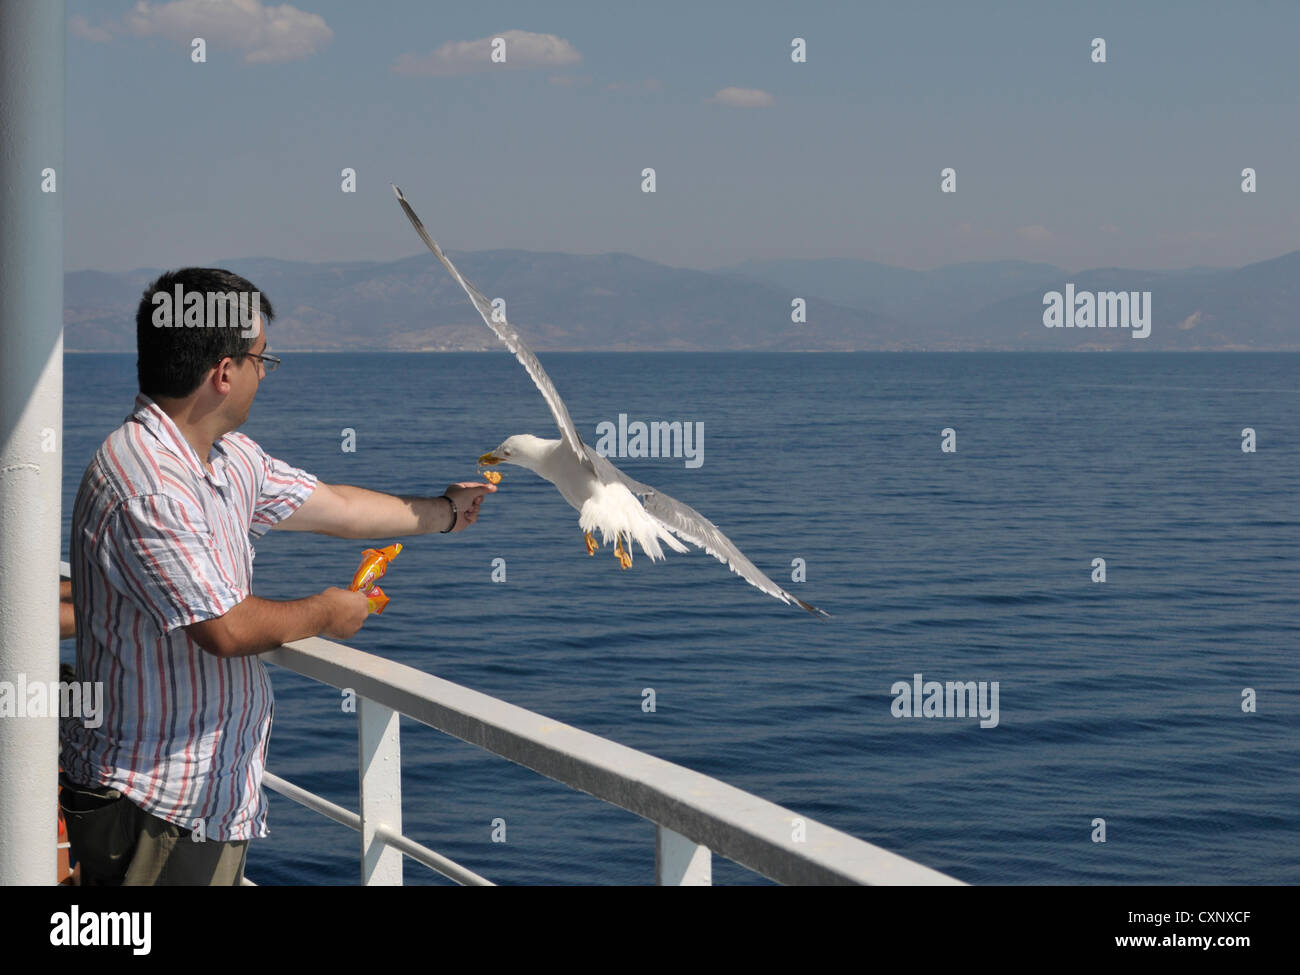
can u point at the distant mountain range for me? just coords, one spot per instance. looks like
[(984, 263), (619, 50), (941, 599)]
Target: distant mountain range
[(619, 302)]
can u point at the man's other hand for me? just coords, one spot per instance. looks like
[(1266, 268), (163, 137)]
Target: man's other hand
[(347, 611), (67, 616)]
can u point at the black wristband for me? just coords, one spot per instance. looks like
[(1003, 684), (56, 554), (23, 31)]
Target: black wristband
[(454, 515)]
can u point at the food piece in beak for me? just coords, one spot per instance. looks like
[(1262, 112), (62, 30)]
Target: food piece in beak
[(489, 459)]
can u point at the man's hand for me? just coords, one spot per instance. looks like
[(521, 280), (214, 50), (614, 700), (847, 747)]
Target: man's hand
[(347, 611), (468, 496)]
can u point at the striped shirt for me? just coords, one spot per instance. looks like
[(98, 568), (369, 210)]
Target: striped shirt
[(158, 542)]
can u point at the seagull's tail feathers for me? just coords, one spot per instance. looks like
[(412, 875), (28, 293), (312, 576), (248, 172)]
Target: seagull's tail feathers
[(648, 537), (665, 535), (613, 511)]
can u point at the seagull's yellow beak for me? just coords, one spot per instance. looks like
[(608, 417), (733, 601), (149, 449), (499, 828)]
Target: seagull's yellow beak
[(489, 459)]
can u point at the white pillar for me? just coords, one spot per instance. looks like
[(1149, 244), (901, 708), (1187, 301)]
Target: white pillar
[(380, 761), (31, 421), (680, 862)]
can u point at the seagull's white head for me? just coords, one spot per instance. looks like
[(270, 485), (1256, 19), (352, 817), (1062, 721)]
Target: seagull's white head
[(523, 449)]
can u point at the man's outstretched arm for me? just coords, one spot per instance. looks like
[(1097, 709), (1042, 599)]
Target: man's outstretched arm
[(353, 512)]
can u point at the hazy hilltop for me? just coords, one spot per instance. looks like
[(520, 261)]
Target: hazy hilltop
[(619, 302), (920, 296)]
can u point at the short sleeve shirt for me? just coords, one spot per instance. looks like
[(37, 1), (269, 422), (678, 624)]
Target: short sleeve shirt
[(160, 541)]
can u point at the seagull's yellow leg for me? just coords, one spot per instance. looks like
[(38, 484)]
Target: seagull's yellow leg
[(623, 555), (592, 544)]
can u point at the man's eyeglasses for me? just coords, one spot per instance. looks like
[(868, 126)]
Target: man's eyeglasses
[(269, 362)]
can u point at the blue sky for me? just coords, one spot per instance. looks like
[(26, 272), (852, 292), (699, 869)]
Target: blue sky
[(1135, 162)]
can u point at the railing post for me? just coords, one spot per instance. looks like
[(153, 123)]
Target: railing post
[(379, 753), (679, 862)]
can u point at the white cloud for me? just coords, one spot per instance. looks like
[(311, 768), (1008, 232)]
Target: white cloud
[(523, 49), (79, 26), (265, 34), (743, 98)]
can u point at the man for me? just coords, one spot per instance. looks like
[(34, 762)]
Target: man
[(161, 560)]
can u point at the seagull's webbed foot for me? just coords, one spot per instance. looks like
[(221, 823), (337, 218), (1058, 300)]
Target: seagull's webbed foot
[(592, 544), (624, 555)]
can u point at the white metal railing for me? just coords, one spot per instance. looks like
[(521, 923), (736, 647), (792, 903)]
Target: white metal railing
[(694, 815)]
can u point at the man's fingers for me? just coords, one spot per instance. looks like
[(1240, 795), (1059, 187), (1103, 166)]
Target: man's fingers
[(481, 486), (475, 488)]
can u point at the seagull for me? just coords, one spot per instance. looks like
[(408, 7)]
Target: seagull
[(606, 499)]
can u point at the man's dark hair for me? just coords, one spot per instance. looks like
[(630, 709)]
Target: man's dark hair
[(174, 350)]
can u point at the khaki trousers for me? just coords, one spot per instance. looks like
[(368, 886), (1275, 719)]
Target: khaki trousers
[(119, 844)]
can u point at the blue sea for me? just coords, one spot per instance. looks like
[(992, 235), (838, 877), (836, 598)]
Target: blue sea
[(1119, 700)]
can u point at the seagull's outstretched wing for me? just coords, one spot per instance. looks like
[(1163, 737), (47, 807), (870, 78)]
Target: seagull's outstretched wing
[(506, 332), (687, 523)]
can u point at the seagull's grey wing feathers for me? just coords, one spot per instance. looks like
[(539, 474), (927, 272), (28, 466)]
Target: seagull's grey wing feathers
[(687, 523), (507, 334)]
